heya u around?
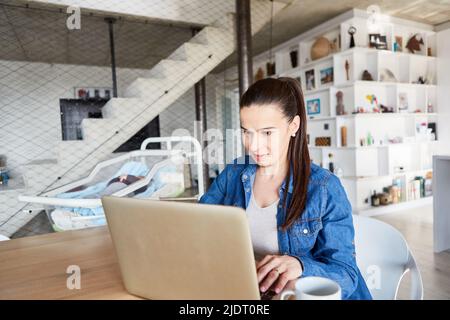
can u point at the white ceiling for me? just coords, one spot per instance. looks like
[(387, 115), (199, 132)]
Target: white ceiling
[(39, 33)]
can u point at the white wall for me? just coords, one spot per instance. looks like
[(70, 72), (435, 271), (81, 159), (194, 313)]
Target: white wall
[(30, 125), (443, 93)]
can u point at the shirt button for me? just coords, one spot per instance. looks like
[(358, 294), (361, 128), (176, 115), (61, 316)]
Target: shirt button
[(305, 231), (244, 176), (247, 190)]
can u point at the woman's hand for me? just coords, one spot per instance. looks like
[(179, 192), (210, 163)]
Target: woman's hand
[(277, 269)]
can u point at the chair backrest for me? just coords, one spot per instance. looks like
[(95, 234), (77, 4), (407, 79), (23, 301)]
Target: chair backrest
[(383, 258)]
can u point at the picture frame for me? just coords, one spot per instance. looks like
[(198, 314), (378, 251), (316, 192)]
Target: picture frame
[(93, 93), (326, 76), (310, 79), (313, 106), (377, 41)]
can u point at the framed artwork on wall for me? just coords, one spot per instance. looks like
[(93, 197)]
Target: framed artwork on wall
[(313, 106), (93, 93), (310, 80), (326, 75)]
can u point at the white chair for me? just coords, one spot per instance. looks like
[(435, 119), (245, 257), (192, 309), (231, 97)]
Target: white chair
[(383, 257), (3, 238)]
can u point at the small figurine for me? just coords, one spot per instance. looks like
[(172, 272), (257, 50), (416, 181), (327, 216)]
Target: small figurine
[(414, 43), (386, 109), (373, 101), (270, 66), (340, 110), (366, 76), (330, 164), (351, 32), (347, 67), (259, 74)]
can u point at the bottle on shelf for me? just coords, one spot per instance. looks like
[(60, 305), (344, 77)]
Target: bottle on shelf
[(374, 200), (330, 163)]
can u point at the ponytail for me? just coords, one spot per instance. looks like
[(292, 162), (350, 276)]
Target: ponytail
[(298, 158)]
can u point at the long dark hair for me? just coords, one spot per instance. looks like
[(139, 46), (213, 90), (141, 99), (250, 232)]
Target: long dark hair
[(287, 94)]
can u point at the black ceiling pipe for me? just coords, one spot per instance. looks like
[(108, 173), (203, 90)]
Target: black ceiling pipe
[(200, 118), (111, 22), (244, 45)]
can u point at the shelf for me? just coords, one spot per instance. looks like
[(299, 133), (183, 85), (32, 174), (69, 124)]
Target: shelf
[(387, 114), (375, 162), (388, 145), (404, 173), (322, 147), (373, 211), (312, 63), (321, 118), (390, 52), (293, 72), (310, 92), (368, 114), (382, 83)]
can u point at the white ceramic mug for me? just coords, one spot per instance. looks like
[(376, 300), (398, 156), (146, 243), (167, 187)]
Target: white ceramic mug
[(314, 288)]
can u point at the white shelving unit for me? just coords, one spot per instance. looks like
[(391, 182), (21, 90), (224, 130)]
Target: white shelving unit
[(402, 146)]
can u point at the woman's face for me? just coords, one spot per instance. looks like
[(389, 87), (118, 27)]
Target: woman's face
[(266, 133)]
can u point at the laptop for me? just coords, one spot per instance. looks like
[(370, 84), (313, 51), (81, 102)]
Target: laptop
[(172, 250)]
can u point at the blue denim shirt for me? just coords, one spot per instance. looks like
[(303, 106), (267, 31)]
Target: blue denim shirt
[(322, 238)]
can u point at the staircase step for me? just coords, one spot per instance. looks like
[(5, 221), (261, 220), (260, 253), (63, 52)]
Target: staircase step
[(209, 34), (213, 37), (37, 174), (168, 68), (122, 108), (98, 129), (150, 88), (69, 151), (201, 37), (191, 52), (227, 22)]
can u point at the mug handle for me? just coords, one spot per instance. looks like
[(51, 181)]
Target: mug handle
[(287, 293)]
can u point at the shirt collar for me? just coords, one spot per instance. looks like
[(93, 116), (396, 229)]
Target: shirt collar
[(250, 170)]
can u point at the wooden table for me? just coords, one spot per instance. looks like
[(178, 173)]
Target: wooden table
[(35, 267)]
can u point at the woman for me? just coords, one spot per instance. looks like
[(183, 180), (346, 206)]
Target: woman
[(299, 215)]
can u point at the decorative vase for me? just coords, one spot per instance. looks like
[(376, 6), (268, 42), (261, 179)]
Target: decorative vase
[(344, 136), (340, 104), (270, 66), (294, 58)]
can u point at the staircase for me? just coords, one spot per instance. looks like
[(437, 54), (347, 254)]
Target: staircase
[(143, 100)]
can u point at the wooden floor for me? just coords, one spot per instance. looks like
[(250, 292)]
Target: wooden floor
[(416, 225)]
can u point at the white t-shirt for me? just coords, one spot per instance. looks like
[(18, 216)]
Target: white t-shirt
[(263, 227)]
